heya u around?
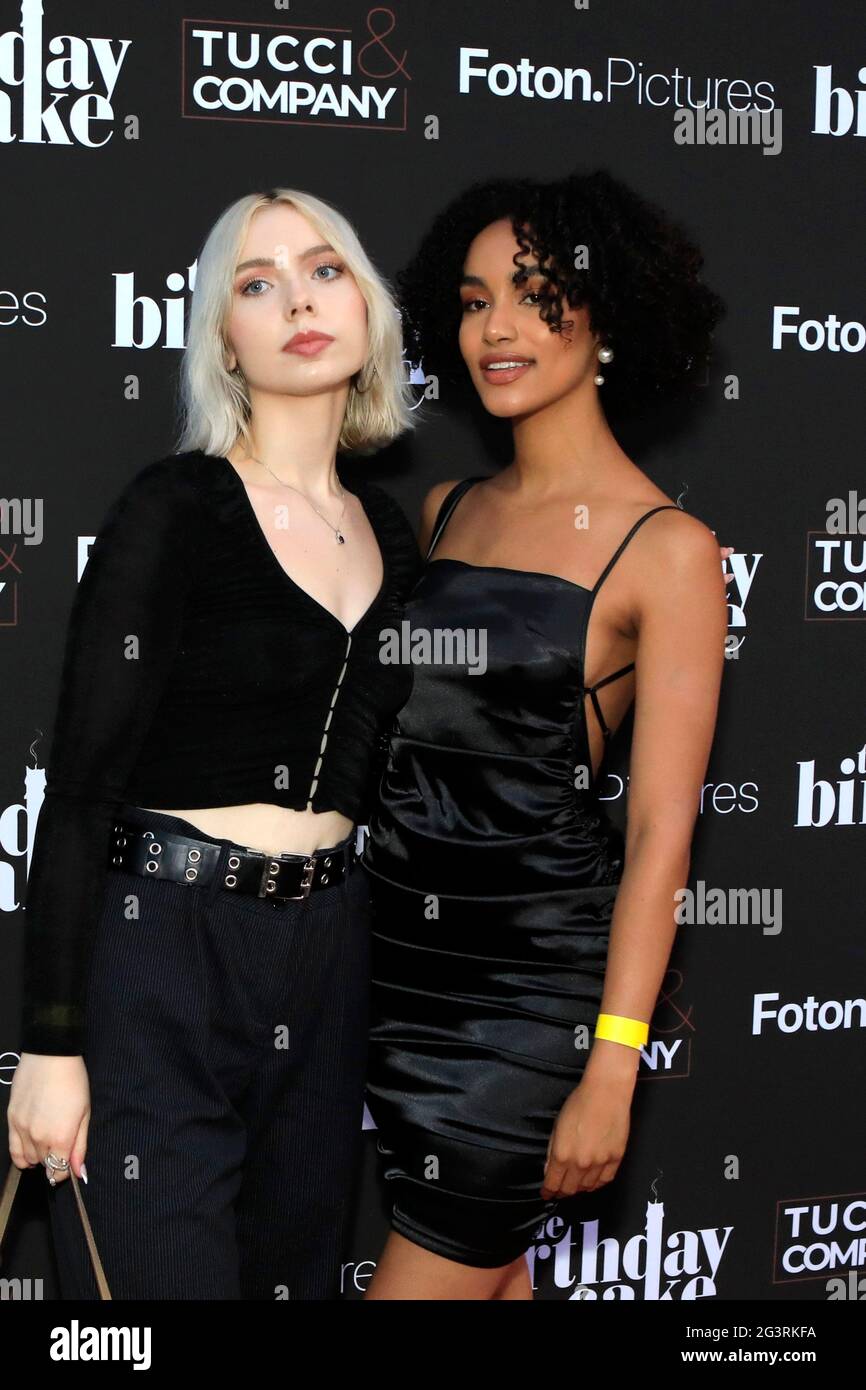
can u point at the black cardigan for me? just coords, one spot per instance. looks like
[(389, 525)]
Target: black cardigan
[(197, 673)]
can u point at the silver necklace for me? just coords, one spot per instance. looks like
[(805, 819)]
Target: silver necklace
[(341, 539)]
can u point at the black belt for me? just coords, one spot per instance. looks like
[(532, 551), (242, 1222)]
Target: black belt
[(158, 853)]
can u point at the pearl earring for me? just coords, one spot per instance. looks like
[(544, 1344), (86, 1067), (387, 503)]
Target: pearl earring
[(605, 354)]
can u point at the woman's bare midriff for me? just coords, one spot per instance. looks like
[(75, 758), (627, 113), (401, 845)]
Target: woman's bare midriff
[(271, 829)]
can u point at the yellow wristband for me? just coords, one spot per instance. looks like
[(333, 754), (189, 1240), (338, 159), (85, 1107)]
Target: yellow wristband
[(615, 1028)]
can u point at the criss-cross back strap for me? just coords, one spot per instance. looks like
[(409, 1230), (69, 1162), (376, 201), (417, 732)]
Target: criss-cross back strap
[(449, 502), (623, 670)]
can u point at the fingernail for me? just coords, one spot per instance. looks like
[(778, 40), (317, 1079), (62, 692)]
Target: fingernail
[(84, 1172)]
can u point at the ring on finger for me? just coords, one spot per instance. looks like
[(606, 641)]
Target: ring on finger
[(52, 1162)]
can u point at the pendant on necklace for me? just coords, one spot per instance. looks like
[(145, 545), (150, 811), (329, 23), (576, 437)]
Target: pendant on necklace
[(341, 539)]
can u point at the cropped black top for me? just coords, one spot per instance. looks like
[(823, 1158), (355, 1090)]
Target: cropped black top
[(197, 673)]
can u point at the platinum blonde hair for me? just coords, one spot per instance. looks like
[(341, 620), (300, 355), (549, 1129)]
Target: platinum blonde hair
[(214, 406)]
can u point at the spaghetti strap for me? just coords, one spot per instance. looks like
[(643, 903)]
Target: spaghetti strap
[(623, 670), (449, 502), (663, 507)]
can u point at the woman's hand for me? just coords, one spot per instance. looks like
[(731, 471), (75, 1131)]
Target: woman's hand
[(725, 551), (588, 1139), (49, 1112)]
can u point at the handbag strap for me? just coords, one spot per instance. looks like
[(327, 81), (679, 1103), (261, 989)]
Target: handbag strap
[(10, 1187)]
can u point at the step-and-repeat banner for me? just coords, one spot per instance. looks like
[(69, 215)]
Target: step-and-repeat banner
[(124, 132)]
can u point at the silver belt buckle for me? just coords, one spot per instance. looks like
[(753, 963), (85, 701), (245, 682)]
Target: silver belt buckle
[(267, 884), (306, 881)]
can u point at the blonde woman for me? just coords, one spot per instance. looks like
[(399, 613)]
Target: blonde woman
[(196, 974)]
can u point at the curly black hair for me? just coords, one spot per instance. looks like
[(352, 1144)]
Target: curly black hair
[(641, 286)]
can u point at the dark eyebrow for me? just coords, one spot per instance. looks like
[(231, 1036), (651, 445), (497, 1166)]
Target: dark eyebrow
[(515, 276), (269, 260)]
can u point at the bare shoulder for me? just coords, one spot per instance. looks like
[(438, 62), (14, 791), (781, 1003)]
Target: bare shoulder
[(686, 534), (682, 548), (430, 510)]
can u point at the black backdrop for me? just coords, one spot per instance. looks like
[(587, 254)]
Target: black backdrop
[(744, 1176)]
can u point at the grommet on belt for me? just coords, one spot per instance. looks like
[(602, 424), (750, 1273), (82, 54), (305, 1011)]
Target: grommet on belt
[(152, 865)]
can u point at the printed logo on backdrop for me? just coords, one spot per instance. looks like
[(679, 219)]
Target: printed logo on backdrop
[(622, 79), (820, 1238), (842, 801), (10, 574), (836, 563), (838, 111), (20, 523), (667, 1052), (18, 830), (296, 74), (829, 334), (744, 568), (656, 1264), (57, 88)]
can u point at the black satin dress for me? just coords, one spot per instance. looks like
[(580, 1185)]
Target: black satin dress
[(494, 872)]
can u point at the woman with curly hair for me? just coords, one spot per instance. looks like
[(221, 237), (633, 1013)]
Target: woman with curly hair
[(519, 940)]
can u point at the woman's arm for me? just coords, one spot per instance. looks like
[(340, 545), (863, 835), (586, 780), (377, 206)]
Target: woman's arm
[(121, 640), (682, 620)]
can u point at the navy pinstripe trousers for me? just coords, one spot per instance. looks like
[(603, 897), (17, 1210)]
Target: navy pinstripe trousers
[(226, 1049)]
